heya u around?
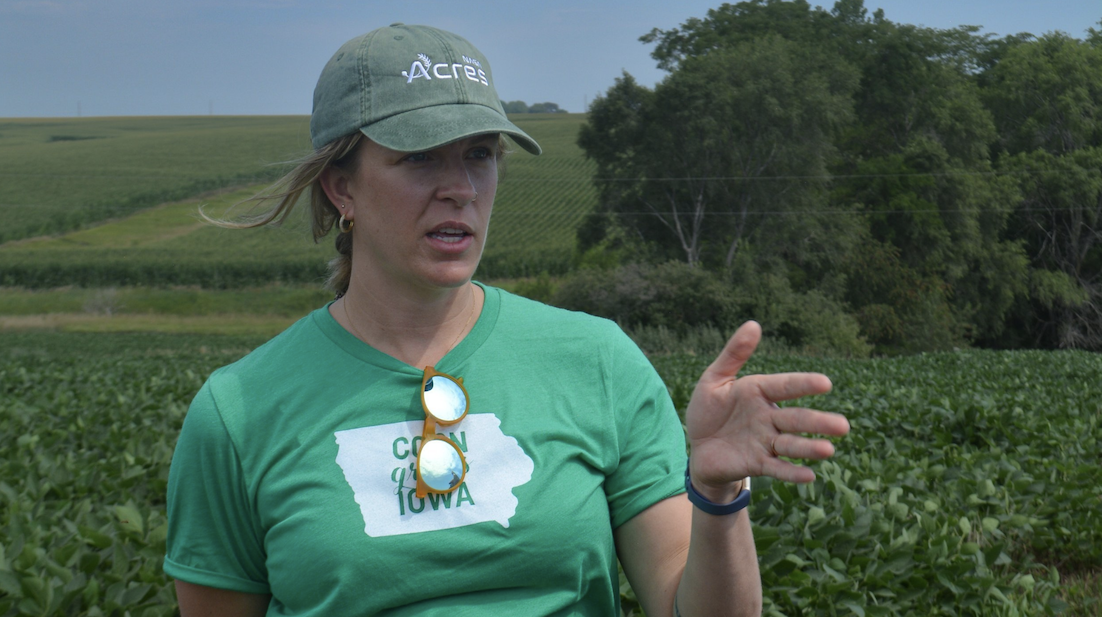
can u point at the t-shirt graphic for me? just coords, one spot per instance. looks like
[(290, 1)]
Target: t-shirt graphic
[(379, 463)]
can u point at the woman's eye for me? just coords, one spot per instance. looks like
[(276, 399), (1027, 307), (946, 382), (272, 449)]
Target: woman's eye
[(481, 153), (418, 157)]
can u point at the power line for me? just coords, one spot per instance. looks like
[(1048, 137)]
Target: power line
[(825, 177), (508, 179), (820, 212)]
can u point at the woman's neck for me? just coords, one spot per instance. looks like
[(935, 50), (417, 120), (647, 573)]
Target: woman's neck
[(418, 329)]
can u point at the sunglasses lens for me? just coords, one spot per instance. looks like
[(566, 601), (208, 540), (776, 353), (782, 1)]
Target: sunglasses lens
[(439, 464), (445, 399)]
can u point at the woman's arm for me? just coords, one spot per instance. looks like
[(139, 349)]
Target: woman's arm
[(711, 558), (684, 562), (201, 601)]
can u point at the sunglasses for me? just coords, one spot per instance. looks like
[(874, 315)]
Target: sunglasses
[(441, 465)]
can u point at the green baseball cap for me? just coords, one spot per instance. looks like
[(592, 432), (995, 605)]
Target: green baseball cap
[(409, 88)]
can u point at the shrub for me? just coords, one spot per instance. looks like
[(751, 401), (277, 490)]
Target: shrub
[(663, 304), (672, 295), (810, 322)]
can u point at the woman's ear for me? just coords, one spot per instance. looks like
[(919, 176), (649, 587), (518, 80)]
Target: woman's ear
[(335, 183)]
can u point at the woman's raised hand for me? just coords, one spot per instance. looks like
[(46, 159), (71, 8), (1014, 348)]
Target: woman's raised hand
[(735, 429)]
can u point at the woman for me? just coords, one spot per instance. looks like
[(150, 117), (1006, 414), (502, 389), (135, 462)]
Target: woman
[(305, 480)]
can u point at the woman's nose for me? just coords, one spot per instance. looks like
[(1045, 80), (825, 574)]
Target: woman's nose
[(457, 182)]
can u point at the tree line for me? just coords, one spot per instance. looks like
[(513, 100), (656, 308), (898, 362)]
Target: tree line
[(520, 107), (929, 187)]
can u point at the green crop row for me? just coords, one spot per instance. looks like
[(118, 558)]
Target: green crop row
[(270, 300), (158, 269), (112, 173), (968, 484), (63, 174)]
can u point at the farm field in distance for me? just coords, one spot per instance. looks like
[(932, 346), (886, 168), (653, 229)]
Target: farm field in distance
[(970, 483), (142, 241)]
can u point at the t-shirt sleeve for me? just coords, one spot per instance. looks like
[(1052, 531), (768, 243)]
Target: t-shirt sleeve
[(652, 457), (214, 536)]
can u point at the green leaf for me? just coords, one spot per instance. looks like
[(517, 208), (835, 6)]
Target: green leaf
[(800, 563), (129, 518), (28, 606), (965, 526), (9, 584), (35, 587), (91, 593), (135, 594), (855, 609), (1025, 581), (159, 534), (95, 537)]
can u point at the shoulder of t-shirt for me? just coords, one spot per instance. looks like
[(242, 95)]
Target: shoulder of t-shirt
[(534, 312), (261, 358), (524, 320), (276, 361)]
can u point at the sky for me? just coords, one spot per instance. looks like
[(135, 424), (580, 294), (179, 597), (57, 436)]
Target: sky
[(63, 58)]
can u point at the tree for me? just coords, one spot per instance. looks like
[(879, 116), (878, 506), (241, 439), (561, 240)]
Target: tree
[(1047, 94), (728, 142), (520, 107), (730, 25), (545, 108), (1046, 97), (1060, 219)]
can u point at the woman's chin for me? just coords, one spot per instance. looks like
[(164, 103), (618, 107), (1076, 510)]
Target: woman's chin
[(452, 275)]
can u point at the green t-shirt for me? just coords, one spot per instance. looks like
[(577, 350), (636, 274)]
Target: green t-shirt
[(293, 473)]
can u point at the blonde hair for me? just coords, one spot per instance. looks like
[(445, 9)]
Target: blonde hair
[(286, 192), (341, 154)]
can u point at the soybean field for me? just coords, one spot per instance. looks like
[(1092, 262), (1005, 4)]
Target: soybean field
[(969, 484)]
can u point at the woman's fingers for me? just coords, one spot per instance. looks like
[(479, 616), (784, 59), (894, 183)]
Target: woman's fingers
[(803, 420), (794, 446), (729, 415), (787, 472), (735, 353), (788, 386)]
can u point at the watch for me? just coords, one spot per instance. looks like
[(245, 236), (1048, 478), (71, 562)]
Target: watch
[(717, 509)]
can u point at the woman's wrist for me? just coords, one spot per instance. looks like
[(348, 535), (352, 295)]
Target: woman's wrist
[(725, 494), (718, 500)]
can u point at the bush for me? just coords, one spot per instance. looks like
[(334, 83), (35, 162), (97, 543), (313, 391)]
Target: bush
[(665, 304), (541, 288), (809, 322), (672, 295)]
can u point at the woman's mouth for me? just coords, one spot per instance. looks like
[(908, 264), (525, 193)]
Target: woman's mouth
[(448, 234)]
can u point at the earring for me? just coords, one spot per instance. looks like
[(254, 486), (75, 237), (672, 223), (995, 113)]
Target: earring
[(341, 225)]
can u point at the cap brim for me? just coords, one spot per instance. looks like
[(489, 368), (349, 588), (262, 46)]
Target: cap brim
[(431, 127)]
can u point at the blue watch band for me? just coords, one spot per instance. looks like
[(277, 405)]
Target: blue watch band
[(717, 509)]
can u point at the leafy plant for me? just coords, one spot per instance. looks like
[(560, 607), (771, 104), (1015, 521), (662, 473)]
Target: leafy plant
[(968, 485)]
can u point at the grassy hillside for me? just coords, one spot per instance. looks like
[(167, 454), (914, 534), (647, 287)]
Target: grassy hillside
[(60, 174), (540, 201)]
